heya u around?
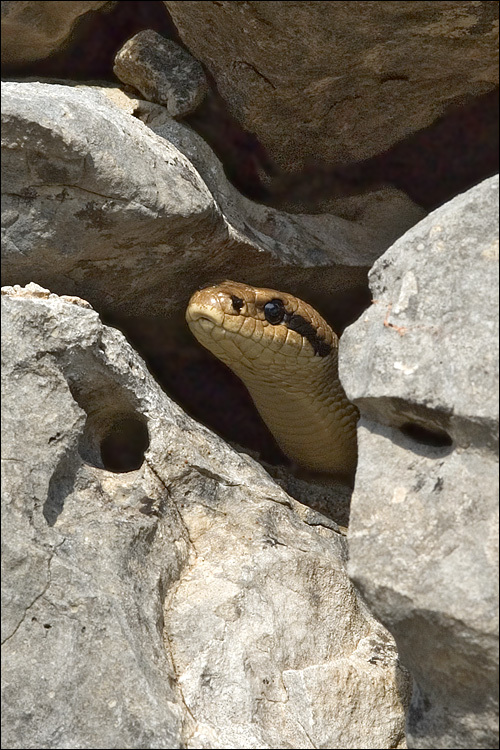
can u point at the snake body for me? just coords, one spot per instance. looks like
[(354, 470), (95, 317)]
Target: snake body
[(286, 355)]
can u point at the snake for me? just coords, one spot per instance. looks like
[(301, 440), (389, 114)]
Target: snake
[(286, 354)]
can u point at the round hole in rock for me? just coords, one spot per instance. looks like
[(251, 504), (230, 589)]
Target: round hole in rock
[(124, 445), (433, 437)]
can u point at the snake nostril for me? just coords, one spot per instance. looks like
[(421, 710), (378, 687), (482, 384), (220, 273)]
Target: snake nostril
[(237, 302)]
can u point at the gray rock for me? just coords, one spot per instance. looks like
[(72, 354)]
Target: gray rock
[(317, 82), (83, 663), (422, 366), (162, 71), (33, 30), (97, 205), (108, 197), (177, 599)]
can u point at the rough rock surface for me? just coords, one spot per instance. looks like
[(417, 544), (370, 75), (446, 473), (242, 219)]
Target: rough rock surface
[(422, 366), (96, 204), (162, 71), (316, 81), (32, 30), (181, 599), (219, 605)]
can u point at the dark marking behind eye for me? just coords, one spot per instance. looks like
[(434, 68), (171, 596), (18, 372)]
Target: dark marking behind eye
[(275, 313), (237, 302), (301, 325)]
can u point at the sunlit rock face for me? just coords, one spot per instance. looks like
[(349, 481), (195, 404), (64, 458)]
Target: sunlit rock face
[(422, 366)]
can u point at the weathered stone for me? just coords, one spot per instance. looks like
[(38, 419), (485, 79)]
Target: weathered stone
[(179, 600), (382, 210), (337, 83), (33, 30), (135, 218), (422, 366), (96, 204), (83, 663), (162, 71)]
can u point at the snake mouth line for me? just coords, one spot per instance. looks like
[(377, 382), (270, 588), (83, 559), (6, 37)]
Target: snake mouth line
[(206, 325), (207, 319)]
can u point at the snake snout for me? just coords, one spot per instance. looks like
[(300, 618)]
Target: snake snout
[(204, 312), (202, 315)]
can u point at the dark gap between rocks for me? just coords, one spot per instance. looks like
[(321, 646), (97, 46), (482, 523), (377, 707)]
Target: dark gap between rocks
[(457, 151), (432, 166), (89, 51), (202, 385), (426, 436)]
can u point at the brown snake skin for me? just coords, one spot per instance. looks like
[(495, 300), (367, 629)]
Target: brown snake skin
[(286, 355)]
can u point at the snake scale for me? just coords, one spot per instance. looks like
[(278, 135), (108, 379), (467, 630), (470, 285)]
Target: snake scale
[(286, 355)]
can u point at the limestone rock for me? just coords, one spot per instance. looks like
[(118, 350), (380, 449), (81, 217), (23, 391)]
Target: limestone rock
[(337, 83), (83, 663), (33, 30), (178, 600), (97, 205), (422, 366), (162, 71)]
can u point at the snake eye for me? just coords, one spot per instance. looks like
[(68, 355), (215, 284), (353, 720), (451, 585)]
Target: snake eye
[(274, 311), (237, 302)]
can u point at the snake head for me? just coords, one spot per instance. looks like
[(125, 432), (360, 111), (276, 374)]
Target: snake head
[(252, 327), (286, 355)]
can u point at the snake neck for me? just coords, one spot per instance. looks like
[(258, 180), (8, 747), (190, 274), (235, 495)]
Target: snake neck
[(309, 414)]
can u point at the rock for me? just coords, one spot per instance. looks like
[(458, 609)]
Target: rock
[(382, 210), (135, 218), (180, 600), (318, 83), (33, 30), (422, 366), (83, 661), (97, 205), (162, 71)]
